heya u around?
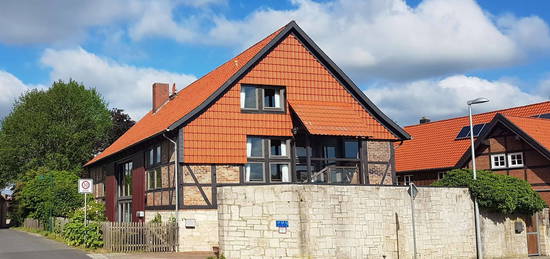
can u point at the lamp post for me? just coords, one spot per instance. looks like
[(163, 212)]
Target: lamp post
[(476, 207)]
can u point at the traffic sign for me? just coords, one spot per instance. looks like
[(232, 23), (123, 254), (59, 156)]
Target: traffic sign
[(413, 191), (85, 185)]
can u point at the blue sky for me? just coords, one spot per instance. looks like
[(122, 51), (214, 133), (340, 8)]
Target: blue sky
[(412, 58)]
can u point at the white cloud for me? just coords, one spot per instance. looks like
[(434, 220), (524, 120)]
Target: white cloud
[(387, 39), (439, 99), (11, 88), (55, 21), (123, 86)]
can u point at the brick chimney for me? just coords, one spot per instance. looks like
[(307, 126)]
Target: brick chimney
[(160, 95)]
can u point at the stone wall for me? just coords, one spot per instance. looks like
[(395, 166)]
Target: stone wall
[(356, 222), (201, 238), (498, 233)]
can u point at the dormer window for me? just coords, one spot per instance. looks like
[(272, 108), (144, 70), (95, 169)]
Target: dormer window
[(262, 98)]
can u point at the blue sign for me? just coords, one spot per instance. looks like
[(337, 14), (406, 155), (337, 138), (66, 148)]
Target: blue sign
[(281, 223)]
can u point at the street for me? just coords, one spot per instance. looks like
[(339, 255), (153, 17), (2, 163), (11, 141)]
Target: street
[(20, 245)]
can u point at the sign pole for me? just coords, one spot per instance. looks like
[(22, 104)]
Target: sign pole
[(85, 208), (412, 193)]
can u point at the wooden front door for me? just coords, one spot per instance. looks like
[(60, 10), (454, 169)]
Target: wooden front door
[(531, 227)]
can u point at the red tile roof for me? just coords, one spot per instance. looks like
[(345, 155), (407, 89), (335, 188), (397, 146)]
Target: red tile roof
[(186, 100), (334, 118), (433, 144), (538, 129)]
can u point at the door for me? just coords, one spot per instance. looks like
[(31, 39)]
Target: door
[(531, 228)]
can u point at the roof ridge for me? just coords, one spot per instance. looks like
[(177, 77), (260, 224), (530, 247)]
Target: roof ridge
[(478, 114)]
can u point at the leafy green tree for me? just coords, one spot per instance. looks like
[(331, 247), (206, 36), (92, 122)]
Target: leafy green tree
[(59, 128), (122, 122), (501, 193), (46, 193)]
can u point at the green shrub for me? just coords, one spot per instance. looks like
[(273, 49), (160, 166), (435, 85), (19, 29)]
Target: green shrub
[(495, 192), (90, 235), (157, 219), (48, 193)]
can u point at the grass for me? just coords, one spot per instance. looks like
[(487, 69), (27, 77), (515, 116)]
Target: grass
[(57, 237)]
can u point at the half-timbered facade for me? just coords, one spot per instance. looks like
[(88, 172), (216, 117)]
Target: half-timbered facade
[(280, 112)]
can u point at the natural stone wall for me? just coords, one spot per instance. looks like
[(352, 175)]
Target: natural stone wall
[(202, 238), (498, 233), (356, 222)]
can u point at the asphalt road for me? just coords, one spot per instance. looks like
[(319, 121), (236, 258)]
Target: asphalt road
[(20, 245)]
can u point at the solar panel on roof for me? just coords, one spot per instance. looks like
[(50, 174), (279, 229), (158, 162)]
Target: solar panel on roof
[(465, 131), (545, 116)]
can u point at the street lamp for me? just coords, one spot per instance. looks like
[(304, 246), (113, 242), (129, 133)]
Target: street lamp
[(476, 208)]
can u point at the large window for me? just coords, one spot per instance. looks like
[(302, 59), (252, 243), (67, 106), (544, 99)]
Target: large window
[(262, 98), (125, 180), (268, 160)]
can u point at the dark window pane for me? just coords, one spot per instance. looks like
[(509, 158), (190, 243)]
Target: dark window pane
[(151, 180), (278, 147), (269, 98), (301, 152), (157, 160), (255, 172), (301, 172), (351, 149), (159, 178), (249, 98), (330, 152), (254, 147), (279, 173)]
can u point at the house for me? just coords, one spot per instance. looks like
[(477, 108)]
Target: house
[(279, 112), (513, 141), (4, 206)]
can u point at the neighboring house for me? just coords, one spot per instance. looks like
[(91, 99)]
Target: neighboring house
[(279, 112), (513, 141), (4, 206)]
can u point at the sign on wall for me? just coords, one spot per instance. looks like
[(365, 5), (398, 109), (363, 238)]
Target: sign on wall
[(85, 185)]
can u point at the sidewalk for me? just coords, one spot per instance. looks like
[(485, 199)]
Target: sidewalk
[(182, 255)]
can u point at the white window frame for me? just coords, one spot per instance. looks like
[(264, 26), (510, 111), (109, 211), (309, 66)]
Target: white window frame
[(407, 179), (440, 175), (501, 155), (510, 160)]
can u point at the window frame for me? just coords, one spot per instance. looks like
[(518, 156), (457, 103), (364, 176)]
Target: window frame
[(263, 172), (267, 159), (407, 179), (509, 160), (154, 153), (288, 168), (156, 172), (283, 140), (241, 99), (441, 175), (260, 97), (262, 148), (500, 155)]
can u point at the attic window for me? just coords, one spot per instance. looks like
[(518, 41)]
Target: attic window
[(262, 98)]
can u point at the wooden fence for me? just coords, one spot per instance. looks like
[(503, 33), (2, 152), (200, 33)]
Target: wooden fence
[(139, 236), (33, 224)]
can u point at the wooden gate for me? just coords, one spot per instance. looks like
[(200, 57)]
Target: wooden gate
[(531, 227)]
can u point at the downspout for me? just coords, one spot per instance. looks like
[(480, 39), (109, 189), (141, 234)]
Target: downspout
[(176, 174)]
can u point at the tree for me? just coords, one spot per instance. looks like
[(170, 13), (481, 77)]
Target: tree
[(121, 122), (501, 193), (57, 128)]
